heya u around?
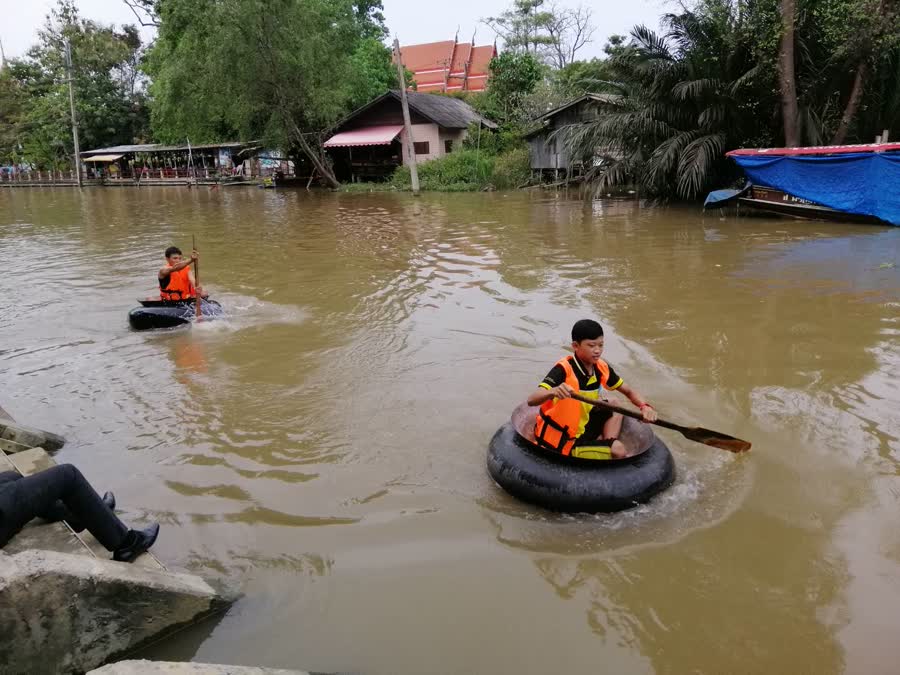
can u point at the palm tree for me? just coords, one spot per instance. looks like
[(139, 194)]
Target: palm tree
[(684, 99)]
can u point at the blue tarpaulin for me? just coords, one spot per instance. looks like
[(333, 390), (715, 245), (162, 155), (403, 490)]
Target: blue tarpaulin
[(866, 183)]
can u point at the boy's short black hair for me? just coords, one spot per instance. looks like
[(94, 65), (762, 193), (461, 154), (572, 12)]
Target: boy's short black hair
[(172, 250), (586, 329)]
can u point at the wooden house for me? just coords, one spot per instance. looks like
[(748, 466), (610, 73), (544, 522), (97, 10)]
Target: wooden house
[(370, 142), (546, 143)]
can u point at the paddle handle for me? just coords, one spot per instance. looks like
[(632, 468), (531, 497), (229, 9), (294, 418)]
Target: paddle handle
[(196, 277), (626, 412)]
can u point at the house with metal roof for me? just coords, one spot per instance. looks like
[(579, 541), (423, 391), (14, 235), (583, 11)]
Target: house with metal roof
[(546, 142), (449, 65), (371, 142)]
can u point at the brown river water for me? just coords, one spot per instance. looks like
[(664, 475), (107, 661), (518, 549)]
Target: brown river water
[(322, 448)]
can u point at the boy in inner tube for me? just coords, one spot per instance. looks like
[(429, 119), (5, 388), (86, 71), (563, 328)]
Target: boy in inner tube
[(570, 427)]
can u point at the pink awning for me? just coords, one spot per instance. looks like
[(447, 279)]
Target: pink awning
[(383, 135)]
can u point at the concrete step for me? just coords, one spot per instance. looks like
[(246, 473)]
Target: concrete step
[(31, 437), (172, 668), (9, 447)]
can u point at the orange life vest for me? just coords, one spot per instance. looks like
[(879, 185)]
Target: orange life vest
[(177, 286), (560, 421)]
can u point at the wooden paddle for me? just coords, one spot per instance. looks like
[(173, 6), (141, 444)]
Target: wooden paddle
[(196, 276), (698, 434)]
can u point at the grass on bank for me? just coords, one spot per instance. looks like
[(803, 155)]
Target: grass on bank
[(465, 170)]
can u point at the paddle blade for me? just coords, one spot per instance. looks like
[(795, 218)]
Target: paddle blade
[(716, 439)]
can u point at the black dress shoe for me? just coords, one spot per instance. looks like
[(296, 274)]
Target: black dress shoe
[(136, 542), (110, 500)]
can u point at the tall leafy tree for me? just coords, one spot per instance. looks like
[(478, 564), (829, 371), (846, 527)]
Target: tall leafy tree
[(279, 70), (110, 105), (682, 99), (12, 107), (549, 31)]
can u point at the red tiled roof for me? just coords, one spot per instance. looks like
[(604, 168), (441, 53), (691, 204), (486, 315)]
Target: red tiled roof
[(448, 65), (481, 59)]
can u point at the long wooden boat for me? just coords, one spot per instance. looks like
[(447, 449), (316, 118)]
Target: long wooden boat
[(774, 201), (849, 183)]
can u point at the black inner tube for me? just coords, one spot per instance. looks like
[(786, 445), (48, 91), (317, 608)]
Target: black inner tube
[(577, 485)]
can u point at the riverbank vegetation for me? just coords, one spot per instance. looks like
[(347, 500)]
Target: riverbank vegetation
[(717, 75)]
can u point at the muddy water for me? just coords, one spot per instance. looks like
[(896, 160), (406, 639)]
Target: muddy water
[(322, 448)]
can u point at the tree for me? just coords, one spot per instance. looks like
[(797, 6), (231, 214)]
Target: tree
[(145, 11), (552, 33), (569, 31), (281, 71), (512, 78), (786, 76), (683, 99), (110, 104), (12, 106)]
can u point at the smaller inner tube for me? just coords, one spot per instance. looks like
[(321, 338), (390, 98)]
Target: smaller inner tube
[(171, 315), (573, 485)]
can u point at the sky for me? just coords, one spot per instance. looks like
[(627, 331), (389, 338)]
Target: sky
[(412, 21)]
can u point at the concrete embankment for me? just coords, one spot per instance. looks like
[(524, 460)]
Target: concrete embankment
[(65, 606), (169, 668), (75, 612)]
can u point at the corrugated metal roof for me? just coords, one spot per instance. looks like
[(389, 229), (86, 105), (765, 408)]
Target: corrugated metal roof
[(599, 98), (158, 147), (446, 111), (103, 158)]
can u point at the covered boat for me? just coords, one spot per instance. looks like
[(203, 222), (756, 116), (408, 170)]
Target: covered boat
[(158, 313), (859, 183), (575, 485)]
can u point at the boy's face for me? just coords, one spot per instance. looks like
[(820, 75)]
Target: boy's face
[(588, 351), (174, 259)]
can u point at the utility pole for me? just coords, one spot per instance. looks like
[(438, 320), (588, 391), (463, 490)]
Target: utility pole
[(69, 78), (410, 145)]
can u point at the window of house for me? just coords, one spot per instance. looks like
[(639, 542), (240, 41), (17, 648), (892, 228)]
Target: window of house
[(421, 148), (448, 146)]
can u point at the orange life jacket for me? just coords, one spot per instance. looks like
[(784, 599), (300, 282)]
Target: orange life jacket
[(177, 286), (560, 421)]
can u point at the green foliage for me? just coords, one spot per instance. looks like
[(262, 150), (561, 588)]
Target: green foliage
[(458, 171), (372, 70), (278, 71), (110, 103), (513, 77), (683, 100), (469, 170), (13, 102), (550, 32), (512, 169), (491, 142)]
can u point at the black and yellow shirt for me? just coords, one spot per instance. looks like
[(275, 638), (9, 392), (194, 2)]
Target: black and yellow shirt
[(592, 418)]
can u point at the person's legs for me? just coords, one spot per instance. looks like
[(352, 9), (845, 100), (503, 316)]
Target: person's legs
[(37, 495), (9, 476), (611, 431)]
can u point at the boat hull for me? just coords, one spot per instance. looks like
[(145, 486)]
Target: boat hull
[(774, 201)]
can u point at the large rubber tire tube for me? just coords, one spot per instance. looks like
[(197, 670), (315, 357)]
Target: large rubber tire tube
[(150, 318), (571, 485)]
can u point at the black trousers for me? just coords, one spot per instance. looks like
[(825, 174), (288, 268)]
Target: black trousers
[(58, 493)]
